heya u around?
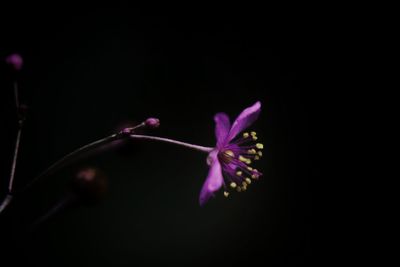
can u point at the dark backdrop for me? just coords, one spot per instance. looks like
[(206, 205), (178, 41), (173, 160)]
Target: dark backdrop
[(89, 73)]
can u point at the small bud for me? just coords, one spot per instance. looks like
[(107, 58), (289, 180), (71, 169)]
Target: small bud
[(152, 122), (15, 61), (90, 184)]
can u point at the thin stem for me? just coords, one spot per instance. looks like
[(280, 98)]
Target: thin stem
[(21, 120), (5, 202), (97, 143), (81, 150), (17, 142), (14, 162), (71, 156), (62, 204), (171, 141), (131, 129)]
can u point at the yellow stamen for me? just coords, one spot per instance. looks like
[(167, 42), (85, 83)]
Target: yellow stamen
[(233, 185), (248, 181), (245, 135), (260, 153), (259, 146), (254, 137), (249, 168), (252, 151), (253, 133), (226, 194), (239, 173), (256, 157), (243, 159)]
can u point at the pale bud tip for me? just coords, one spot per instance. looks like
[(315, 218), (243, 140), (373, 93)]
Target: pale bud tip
[(152, 122)]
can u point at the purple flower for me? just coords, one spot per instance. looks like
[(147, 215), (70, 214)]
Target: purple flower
[(16, 61), (229, 161)]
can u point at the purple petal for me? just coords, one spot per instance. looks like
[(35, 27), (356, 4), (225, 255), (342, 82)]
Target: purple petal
[(214, 180), (222, 127), (244, 120)]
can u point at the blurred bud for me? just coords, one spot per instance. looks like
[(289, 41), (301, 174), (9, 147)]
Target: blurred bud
[(152, 122), (90, 184), (15, 61)]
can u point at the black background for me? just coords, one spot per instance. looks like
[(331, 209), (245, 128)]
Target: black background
[(89, 73)]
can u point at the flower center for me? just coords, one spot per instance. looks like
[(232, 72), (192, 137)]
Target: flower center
[(226, 156), (236, 159)]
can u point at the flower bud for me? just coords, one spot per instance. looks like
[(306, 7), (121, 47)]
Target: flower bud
[(90, 184), (152, 122), (15, 61)]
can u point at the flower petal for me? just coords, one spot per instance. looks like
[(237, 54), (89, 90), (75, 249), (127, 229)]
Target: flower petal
[(214, 180), (244, 120), (222, 128)]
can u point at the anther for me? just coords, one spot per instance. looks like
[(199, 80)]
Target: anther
[(226, 194), (243, 159), (253, 133), (249, 168), (248, 181), (245, 135), (256, 157), (260, 153), (259, 146), (239, 173), (252, 151), (233, 185), (229, 153)]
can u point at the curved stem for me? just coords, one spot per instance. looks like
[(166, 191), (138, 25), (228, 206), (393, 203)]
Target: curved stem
[(171, 141), (71, 156), (5, 202), (66, 201), (21, 120), (14, 162), (98, 143)]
